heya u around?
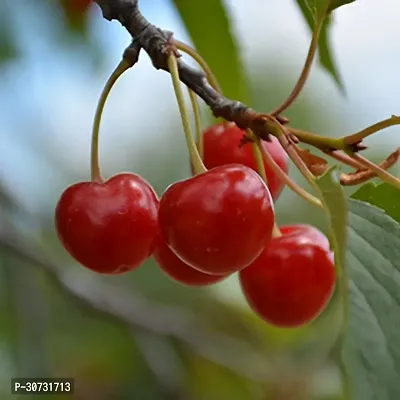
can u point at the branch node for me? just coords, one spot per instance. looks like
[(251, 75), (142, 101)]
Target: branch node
[(131, 53), (359, 146)]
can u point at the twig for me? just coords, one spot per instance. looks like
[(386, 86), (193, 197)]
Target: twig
[(159, 43), (370, 130), (305, 71), (365, 174), (204, 66), (321, 142), (378, 171), (344, 158)]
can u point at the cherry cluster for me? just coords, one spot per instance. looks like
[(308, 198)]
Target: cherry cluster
[(204, 229)]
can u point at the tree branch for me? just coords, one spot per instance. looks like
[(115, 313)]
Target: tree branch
[(158, 45)]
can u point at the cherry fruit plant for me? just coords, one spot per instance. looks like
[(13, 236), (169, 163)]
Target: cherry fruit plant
[(220, 222)]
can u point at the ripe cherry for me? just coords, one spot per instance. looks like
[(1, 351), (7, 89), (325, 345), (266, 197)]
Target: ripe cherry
[(109, 227), (219, 221), (76, 7), (306, 234), (178, 270), (222, 145), (293, 279)]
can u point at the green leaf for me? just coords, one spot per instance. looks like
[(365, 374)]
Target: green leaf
[(326, 58), (318, 8), (383, 196), (208, 26), (371, 350), (335, 204), (325, 55), (334, 4)]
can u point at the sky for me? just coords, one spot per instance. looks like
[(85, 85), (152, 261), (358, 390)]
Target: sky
[(49, 98)]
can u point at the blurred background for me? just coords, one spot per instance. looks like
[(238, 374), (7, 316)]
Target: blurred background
[(141, 336)]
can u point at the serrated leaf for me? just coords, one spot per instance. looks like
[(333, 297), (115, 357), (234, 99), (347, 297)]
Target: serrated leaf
[(371, 352), (383, 196), (334, 4), (209, 28), (325, 56), (371, 346)]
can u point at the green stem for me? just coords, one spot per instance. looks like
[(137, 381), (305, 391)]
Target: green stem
[(379, 172), (278, 131), (320, 142), (258, 157), (197, 122), (370, 130), (94, 158), (200, 60), (197, 163), (305, 71), (287, 180)]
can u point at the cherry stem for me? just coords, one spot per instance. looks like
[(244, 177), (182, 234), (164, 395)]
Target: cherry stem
[(195, 159), (279, 132), (212, 79), (370, 130), (305, 71), (287, 180), (258, 157), (378, 171), (320, 142), (364, 175), (197, 122), (345, 159), (200, 60), (94, 158)]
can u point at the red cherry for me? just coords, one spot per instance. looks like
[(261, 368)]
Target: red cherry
[(109, 227), (293, 279), (222, 146), (306, 234), (178, 270), (218, 222), (76, 7)]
